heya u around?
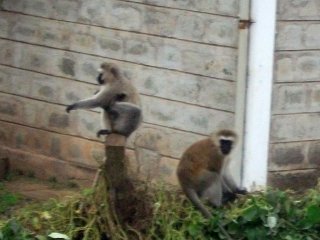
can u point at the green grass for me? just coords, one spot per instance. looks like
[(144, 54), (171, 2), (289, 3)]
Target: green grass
[(270, 215), (7, 199)]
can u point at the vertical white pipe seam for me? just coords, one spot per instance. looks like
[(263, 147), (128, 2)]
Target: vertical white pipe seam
[(259, 93), (236, 165)]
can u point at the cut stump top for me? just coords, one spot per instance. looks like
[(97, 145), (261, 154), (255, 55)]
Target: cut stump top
[(116, 140)]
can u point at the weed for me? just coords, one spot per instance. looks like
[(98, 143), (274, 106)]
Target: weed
[(272, 215), (7, 199)]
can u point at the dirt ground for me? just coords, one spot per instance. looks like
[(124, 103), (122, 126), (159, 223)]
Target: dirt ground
[(37, 190)]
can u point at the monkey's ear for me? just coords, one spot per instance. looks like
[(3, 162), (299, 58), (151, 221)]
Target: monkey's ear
[(115, 71)]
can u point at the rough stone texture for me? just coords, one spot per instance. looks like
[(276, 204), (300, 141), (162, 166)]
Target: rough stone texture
[(299, 10), (298, 35), (201, 59), (185, 117), (86, 123), (300, 66), (296, 98), (296, 95), (296, 127), (296, 180), (228, 7), (181, 55), (203, 91), (51, 144), (287, 156), (167, 170), (167, 142), (45, 167), (135, 17), (314, 153)]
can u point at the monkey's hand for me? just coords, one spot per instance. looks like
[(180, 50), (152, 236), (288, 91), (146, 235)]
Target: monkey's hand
[(70, 107), (103, 132), (241, 191)]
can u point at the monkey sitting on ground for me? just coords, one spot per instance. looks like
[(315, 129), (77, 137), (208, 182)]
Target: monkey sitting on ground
[(118, 99), (202, 171)]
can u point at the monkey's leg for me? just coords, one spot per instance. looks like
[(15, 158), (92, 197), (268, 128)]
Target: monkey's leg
[(125, 118), (103, 132), (84, 104), (214, 192), (194, 198), (105, 121)]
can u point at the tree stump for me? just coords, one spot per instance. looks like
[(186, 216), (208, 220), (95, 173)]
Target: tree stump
[(119, 186)]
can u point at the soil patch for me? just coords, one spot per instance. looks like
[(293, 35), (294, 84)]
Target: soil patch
[(38, 191)]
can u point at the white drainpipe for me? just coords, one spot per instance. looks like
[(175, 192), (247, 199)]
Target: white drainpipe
[(259, 93)]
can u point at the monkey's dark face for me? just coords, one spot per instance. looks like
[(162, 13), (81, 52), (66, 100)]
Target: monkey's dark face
[(105, 77), (225, 146), (99, 79), (107, 74)]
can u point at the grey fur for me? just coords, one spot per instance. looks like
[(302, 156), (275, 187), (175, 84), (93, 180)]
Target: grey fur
[(119, 101)]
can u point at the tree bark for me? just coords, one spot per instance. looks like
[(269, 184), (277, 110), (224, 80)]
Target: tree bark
[(119, 185)]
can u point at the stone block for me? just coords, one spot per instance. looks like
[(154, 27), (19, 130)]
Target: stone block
[(300, 66), (228, 7), (46, 167), (314, 154), (290, 36), (298, 35), (167, 170), (7, 52), (63, 147), (296, 98), (288, 156), (213, 61), (183, 87), (184, 117), (147, 19), (296, 180), (49, 116), (298, 10), (295, 127), (148, 163), (165, 141), (4, 27)]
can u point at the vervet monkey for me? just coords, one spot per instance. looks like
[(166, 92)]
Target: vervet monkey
[(202, 170), (118, 99)]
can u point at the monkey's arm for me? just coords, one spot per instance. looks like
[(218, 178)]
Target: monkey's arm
[(92, 102), (229, 185), (194, 198), (230, 189), (102, 99)]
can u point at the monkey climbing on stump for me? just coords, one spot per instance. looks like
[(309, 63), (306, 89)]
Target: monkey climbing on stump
[(119, 102)]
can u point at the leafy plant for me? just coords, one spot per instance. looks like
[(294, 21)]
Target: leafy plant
[(7, 199), (13, 230), (272, 215)]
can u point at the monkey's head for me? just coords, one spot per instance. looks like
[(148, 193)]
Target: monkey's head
[(109, 72), (225, 139)]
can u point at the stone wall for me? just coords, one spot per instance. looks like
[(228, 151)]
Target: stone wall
[(295, 129), (180, 54)]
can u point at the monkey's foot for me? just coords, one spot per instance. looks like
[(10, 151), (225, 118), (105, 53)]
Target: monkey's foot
[(103, 132), (228, 197), (69, 108)]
